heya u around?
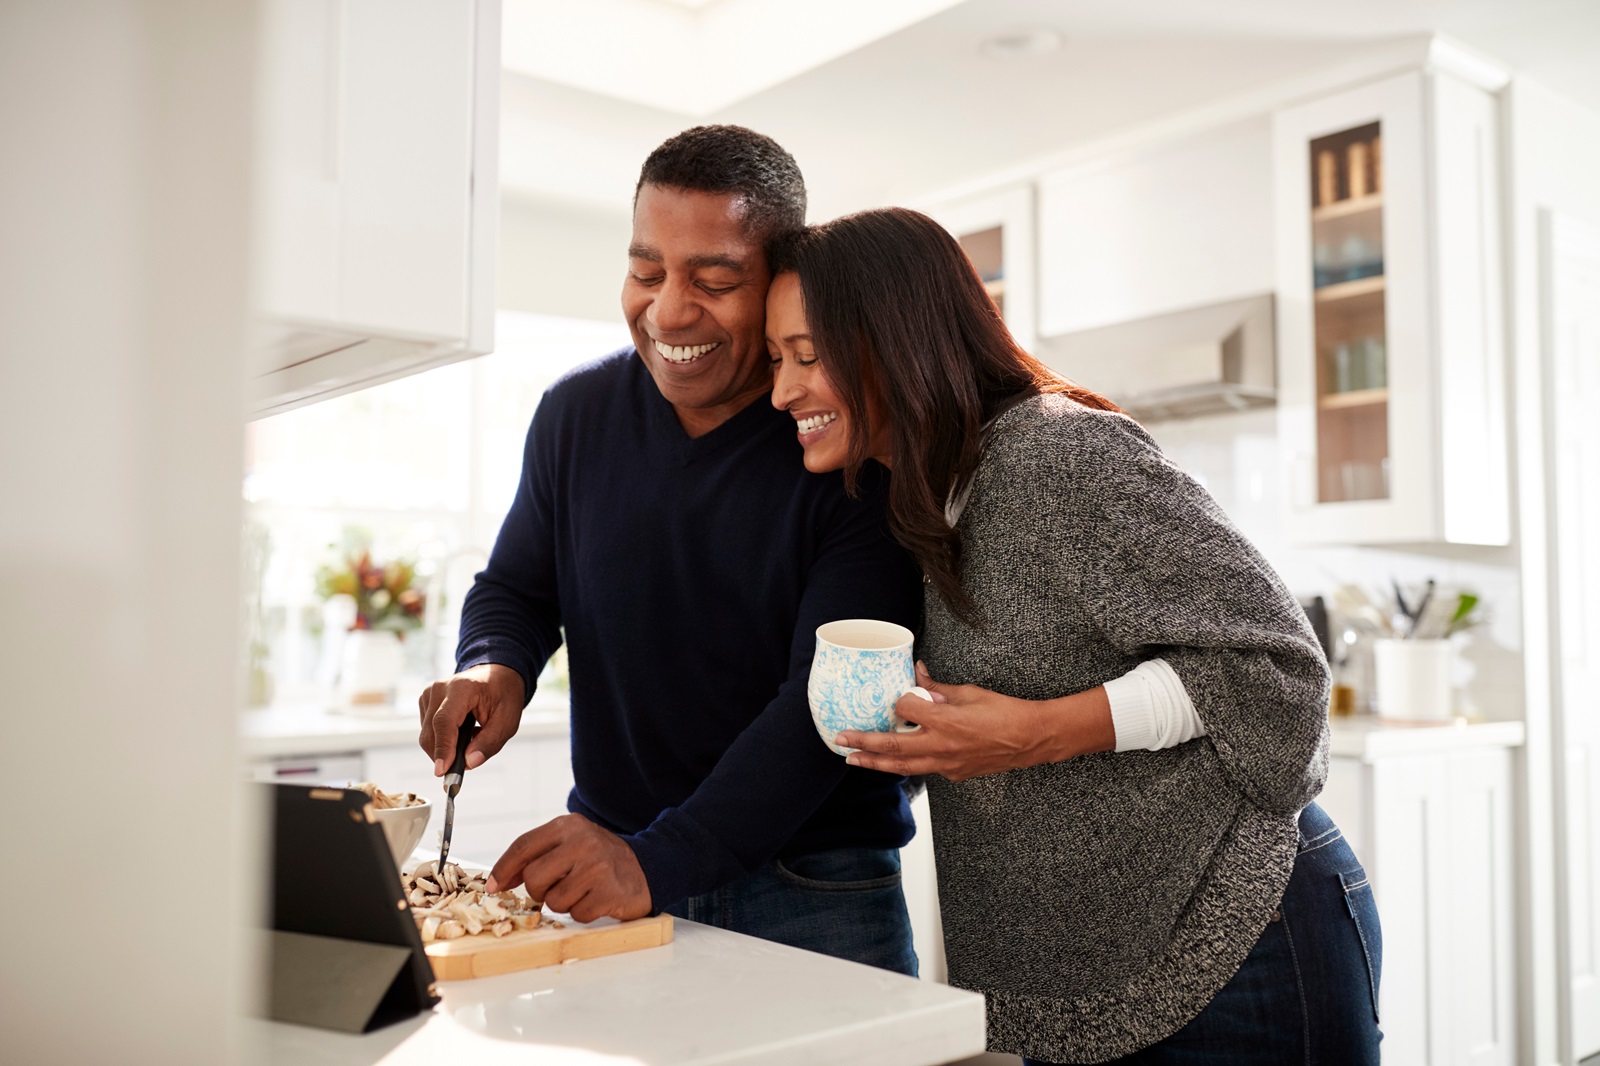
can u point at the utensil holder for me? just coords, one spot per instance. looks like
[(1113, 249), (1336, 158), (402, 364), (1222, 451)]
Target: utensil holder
[(1413, 678)]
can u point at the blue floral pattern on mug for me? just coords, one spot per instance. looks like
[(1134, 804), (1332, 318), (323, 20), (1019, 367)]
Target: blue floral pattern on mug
[(856, 688)]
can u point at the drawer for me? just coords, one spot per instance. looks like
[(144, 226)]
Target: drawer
[(338, 770)]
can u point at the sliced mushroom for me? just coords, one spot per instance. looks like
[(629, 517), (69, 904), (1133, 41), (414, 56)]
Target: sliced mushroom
[(457, 903)]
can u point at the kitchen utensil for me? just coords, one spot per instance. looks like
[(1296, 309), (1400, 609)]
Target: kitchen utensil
[(1422, 609), (1405, 623), (452, 785), (1354, 602)]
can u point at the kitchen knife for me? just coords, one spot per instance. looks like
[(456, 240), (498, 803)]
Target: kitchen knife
[(452, 785)]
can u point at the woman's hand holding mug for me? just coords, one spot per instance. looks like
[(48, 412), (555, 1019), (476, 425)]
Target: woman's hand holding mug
[(967, 731)]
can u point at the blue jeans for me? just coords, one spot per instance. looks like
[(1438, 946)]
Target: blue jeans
[(846, 903), (1307, 994)]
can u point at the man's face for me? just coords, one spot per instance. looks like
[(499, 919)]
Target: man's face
[(695, 301)]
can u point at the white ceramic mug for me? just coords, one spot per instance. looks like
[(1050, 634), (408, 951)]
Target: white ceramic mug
[(860, 669)]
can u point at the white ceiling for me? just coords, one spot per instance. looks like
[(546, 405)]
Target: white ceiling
[(896, 100), (692, 56)]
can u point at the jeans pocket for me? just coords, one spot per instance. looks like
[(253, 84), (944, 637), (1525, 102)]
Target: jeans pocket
[(842, 869), (1364, 913)]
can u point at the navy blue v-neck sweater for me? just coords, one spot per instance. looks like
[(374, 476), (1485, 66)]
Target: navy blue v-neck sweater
[(689, 576)]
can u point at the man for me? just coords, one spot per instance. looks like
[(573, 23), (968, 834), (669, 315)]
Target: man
[(665, 523)]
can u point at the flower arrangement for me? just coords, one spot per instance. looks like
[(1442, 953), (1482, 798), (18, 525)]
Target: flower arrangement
[(384, 597)]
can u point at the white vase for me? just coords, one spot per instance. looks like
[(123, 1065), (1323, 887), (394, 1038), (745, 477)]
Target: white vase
[(1413, 678), (370, 666)]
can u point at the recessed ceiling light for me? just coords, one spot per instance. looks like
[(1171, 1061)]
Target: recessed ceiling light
[(1022, 43)]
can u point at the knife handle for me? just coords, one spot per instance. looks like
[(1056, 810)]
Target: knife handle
[(458, 765)]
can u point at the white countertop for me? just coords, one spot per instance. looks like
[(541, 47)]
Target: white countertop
[(1366, 738), (710, 996), (312, 728)]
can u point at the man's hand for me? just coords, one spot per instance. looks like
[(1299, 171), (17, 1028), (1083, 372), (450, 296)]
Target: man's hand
[(576, 868), (491, 693), (970, 731)]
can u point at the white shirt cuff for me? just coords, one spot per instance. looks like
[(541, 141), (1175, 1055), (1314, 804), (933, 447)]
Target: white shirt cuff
[(1151, 710)]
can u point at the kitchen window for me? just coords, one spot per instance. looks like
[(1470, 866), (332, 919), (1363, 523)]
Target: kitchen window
[(422, 468)]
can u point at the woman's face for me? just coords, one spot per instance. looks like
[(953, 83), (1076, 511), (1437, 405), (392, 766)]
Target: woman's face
[(801, 387)]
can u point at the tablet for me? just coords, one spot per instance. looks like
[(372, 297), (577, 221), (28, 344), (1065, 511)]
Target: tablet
[(346, 953)]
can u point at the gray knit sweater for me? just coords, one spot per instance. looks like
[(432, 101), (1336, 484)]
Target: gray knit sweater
[(1100, 903)]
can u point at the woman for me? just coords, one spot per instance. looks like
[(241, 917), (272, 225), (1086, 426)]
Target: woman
[(1130, 719)]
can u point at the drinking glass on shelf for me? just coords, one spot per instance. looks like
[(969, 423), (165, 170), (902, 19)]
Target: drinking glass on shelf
[(1344, 368), (1324, 269), (1357, 258), (1374, 363)]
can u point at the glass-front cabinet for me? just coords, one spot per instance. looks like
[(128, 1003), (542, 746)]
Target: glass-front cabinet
[(996, 232), (1391, 395)]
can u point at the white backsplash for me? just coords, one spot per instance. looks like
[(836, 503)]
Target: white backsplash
[(1236, 458)]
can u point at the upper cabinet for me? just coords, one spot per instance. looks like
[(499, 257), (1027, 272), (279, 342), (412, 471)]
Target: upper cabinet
[(1168, 226), (379, 192), (1390, 361), (996, 231)]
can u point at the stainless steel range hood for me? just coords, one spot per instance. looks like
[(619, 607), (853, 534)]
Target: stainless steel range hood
[(1201, 361)]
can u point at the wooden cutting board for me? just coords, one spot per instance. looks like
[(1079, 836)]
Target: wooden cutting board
[(486, 956)]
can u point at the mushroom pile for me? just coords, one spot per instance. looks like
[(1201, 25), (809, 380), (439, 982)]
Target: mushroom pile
[(384, 801), (452, 902)]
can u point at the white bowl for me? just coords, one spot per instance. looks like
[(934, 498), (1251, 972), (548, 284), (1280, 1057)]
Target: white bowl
[(404, 827)]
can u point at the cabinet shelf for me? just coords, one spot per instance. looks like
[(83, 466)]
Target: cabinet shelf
[(1356, 398), (1345, 290), (1342, 208)]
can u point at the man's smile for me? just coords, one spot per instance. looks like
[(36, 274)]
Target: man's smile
[(682, 353)]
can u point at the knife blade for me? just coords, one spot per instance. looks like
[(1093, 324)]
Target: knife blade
[(452, 785)]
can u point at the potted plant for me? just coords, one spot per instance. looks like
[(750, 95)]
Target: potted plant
[(385, 607)]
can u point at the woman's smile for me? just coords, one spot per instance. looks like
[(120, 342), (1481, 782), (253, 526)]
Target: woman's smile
[(813, 427)]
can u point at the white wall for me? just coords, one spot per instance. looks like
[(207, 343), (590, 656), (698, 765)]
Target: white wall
[(126, 127), (1554, 164), (563, 259), (1236, 457)]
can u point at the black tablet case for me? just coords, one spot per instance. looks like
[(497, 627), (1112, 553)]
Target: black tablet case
[(343, 948)]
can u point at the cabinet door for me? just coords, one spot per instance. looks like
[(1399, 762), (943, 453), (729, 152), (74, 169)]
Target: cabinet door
[(1441, 873), (406, 102), (1159, 229), (1391, 364), (1344, 799), (1472, 914), (997, 232), (301, 202), (368, 112), (1407, 867), (1356, 412)]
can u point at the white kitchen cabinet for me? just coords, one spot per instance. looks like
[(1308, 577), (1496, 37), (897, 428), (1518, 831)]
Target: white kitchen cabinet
[(1391, 371), (996, 231), (379, 192), (1163, 227), (1428, 812)]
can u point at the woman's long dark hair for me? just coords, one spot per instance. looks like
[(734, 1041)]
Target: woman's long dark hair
[(906, 332)]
